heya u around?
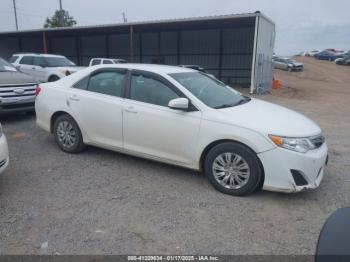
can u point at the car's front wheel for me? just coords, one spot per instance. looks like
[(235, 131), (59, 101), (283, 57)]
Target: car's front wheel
[(68, 135), (233, 169)]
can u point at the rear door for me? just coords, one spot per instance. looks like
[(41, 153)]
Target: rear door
[(153, 129), (39, 71), (97, 102)]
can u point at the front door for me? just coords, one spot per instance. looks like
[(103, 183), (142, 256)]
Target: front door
[(151, 128)]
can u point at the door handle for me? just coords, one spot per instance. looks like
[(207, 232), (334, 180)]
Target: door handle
[(130, 109), (74, 98), (33, 68)]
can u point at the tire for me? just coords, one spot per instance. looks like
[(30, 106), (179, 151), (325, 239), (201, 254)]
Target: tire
[(244, 158), (53, 78), (65, 126), (289, 69)]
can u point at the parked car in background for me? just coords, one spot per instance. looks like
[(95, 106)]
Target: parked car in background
[(106, 61), (44, 67), (187, 119), (195, 67), (4, 152), (328, 55), (17, 90), (198, 68), (313, 52), (343, 61), (287, 64)]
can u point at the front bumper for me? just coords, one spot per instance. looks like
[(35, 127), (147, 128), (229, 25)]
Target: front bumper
[(299, 68), (23, 105), (4, 153), (279, 162)]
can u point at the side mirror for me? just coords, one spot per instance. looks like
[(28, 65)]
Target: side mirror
[(179, 103)]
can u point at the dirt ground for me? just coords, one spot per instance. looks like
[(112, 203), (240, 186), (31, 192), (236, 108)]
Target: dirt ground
[(101, 202)]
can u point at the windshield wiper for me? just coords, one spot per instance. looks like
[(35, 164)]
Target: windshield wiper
[(224, 106), (243, 101), (240, 102)]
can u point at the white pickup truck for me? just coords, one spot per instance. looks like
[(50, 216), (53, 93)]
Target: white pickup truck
[(106, 61)]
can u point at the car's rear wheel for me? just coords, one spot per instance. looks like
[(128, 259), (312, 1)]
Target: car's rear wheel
[(233, 169), (68, 135), (53, 78)]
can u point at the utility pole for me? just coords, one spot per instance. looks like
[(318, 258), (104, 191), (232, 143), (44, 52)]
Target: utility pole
[(124, 18), (15, 10), (61, 13)]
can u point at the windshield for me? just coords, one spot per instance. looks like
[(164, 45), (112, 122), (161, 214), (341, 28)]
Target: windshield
[(6, 67), (58, 61), (210, 91)]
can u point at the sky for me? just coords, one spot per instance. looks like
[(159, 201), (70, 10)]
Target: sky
[(300, 24)]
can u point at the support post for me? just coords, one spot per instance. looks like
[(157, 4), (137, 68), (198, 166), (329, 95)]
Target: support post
[(45, 46), (220, 52), (131, 47)]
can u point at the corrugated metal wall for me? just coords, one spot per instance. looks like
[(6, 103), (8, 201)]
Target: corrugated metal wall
[(225, 52), (264, 50)]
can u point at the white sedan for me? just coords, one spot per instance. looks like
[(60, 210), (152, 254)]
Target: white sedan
[(183, 117)]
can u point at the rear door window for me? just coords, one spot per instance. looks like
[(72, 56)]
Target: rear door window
[(39, 61), (107, 62), (110, 82)]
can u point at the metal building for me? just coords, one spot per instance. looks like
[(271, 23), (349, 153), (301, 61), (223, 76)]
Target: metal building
[(235, 48)]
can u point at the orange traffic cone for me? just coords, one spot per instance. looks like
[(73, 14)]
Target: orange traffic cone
[(276, 84)]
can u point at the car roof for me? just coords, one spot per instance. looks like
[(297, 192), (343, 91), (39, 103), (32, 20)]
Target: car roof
[(165, 69), (36, 54)]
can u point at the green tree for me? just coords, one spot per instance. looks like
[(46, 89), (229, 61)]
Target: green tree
[(61, 18)]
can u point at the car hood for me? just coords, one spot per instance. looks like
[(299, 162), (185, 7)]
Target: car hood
[(14, 78), (298, 64), (268, 118)]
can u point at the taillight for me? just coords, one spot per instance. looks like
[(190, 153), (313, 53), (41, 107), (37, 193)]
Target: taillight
[(37, 90)]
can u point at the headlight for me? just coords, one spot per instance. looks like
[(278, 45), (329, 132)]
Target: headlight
[(301, 145), (291, 65)]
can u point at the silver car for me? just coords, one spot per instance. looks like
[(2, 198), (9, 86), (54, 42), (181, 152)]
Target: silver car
[(287, 64)]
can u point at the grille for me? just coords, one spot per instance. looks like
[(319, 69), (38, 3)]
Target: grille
[(9, 91), (317, 141)]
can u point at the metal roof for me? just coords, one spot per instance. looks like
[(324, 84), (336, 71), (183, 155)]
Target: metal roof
[(160, 21)]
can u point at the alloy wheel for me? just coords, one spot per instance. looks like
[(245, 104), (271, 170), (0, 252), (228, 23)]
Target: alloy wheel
[(231, 170)]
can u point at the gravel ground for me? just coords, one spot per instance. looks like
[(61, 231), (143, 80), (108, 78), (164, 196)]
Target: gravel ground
[(101, 202)]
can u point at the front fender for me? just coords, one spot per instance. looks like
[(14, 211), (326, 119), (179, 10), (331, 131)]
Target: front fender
[(214, 131)]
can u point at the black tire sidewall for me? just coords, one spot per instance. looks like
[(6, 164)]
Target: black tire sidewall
[(53, 78), (248, 155), (79, 145)]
